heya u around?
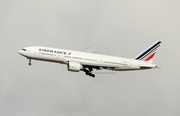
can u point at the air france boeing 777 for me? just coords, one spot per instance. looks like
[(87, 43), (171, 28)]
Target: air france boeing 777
[(82, 61)]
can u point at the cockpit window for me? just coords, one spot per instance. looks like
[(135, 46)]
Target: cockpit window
[(24, 49)]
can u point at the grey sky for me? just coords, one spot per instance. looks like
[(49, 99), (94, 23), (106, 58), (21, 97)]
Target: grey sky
[(119, 28)]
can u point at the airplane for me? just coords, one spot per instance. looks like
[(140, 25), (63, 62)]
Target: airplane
[(87, 61)]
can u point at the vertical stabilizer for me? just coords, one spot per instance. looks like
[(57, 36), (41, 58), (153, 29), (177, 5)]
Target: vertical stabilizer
[(149, 53)]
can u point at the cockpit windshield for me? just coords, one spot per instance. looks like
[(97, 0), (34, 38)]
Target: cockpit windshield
[(24, 49)]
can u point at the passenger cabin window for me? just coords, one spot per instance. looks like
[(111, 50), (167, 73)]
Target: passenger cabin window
[(24, 49)]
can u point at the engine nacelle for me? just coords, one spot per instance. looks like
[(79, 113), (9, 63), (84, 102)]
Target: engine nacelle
[(74, 66)]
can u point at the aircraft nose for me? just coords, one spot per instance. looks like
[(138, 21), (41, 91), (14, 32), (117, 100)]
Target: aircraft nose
[(23, 52), (20, 52)]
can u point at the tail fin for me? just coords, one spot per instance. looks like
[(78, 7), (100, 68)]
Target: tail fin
[(149, 53)]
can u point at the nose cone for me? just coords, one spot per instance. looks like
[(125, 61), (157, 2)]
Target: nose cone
[(20, 52)]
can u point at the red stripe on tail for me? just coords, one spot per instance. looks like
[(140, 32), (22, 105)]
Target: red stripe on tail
[(150, 57)]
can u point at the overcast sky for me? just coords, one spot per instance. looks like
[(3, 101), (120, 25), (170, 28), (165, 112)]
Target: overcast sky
[(117, 27)]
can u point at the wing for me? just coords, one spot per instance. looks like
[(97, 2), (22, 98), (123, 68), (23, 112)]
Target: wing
[(90, 49), (101, 66)]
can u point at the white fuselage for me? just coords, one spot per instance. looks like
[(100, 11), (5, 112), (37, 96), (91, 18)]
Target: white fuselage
[(85, 59)]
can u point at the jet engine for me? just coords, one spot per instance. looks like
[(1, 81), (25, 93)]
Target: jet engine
[(74, 66)]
